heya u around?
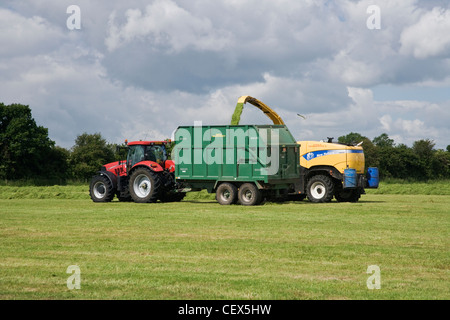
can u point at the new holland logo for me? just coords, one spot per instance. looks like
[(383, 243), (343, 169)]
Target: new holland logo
[(316, 154)]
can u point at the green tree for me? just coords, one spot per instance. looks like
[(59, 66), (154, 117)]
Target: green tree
[(420, 162), (387, 157), (89, 154), (58, 164), (352, 138), (370, 151), (440, 165), (424, 149), (119, 150), (26, 151), (371, 154), (383, 141), (169, 147), (399, 162)]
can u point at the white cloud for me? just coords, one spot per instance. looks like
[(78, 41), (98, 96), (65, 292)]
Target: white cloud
[(352, 71), (141, 68), (386, 122), (407, 130), (409, 121), (165, 24), (429, 37), (26, 36)]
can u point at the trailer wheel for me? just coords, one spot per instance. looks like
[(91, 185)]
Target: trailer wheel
[(144, 186), (101, 189), (249, 195), (226, 193), (320, 188)]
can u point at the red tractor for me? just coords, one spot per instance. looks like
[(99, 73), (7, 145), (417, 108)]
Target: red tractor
[(146, 176)]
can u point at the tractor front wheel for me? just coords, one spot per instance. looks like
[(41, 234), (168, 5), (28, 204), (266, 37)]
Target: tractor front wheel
[(144, 186), (101, 189)]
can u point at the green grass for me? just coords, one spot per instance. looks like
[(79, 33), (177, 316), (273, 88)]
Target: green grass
[(198, 249), (432, 187), (45, 192)]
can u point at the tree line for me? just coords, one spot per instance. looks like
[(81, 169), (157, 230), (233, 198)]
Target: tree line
[(27, 153), (420, 162)]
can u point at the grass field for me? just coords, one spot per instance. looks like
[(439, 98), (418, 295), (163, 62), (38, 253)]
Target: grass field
[(198, 249)]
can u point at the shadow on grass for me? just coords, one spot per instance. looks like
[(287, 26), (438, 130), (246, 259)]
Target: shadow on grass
[(199, 201), (205, 201)]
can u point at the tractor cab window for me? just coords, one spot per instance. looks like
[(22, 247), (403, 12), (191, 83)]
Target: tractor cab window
[(135, 155), (156, 153), (138, 153)]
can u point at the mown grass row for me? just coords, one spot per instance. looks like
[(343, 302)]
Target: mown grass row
[(46, 192), (81, 191), (432, 187)]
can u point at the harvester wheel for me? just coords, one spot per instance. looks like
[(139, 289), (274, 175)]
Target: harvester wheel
[(144, 185), (101, 189), (249, 195), (320, 188), (226, 193)]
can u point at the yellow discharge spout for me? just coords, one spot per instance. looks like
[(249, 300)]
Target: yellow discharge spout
[(263, 107)]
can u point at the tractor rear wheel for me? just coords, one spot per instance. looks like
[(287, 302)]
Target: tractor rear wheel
[(101, 189), (320, 188), (144, 185), (226, 193), (249, 195)]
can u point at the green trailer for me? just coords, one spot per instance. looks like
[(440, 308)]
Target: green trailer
[(244, 163)]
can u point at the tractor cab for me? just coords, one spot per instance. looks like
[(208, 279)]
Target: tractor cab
[(154, 151), (146, 176)]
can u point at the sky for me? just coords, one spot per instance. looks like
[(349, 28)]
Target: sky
[(139, 69)]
